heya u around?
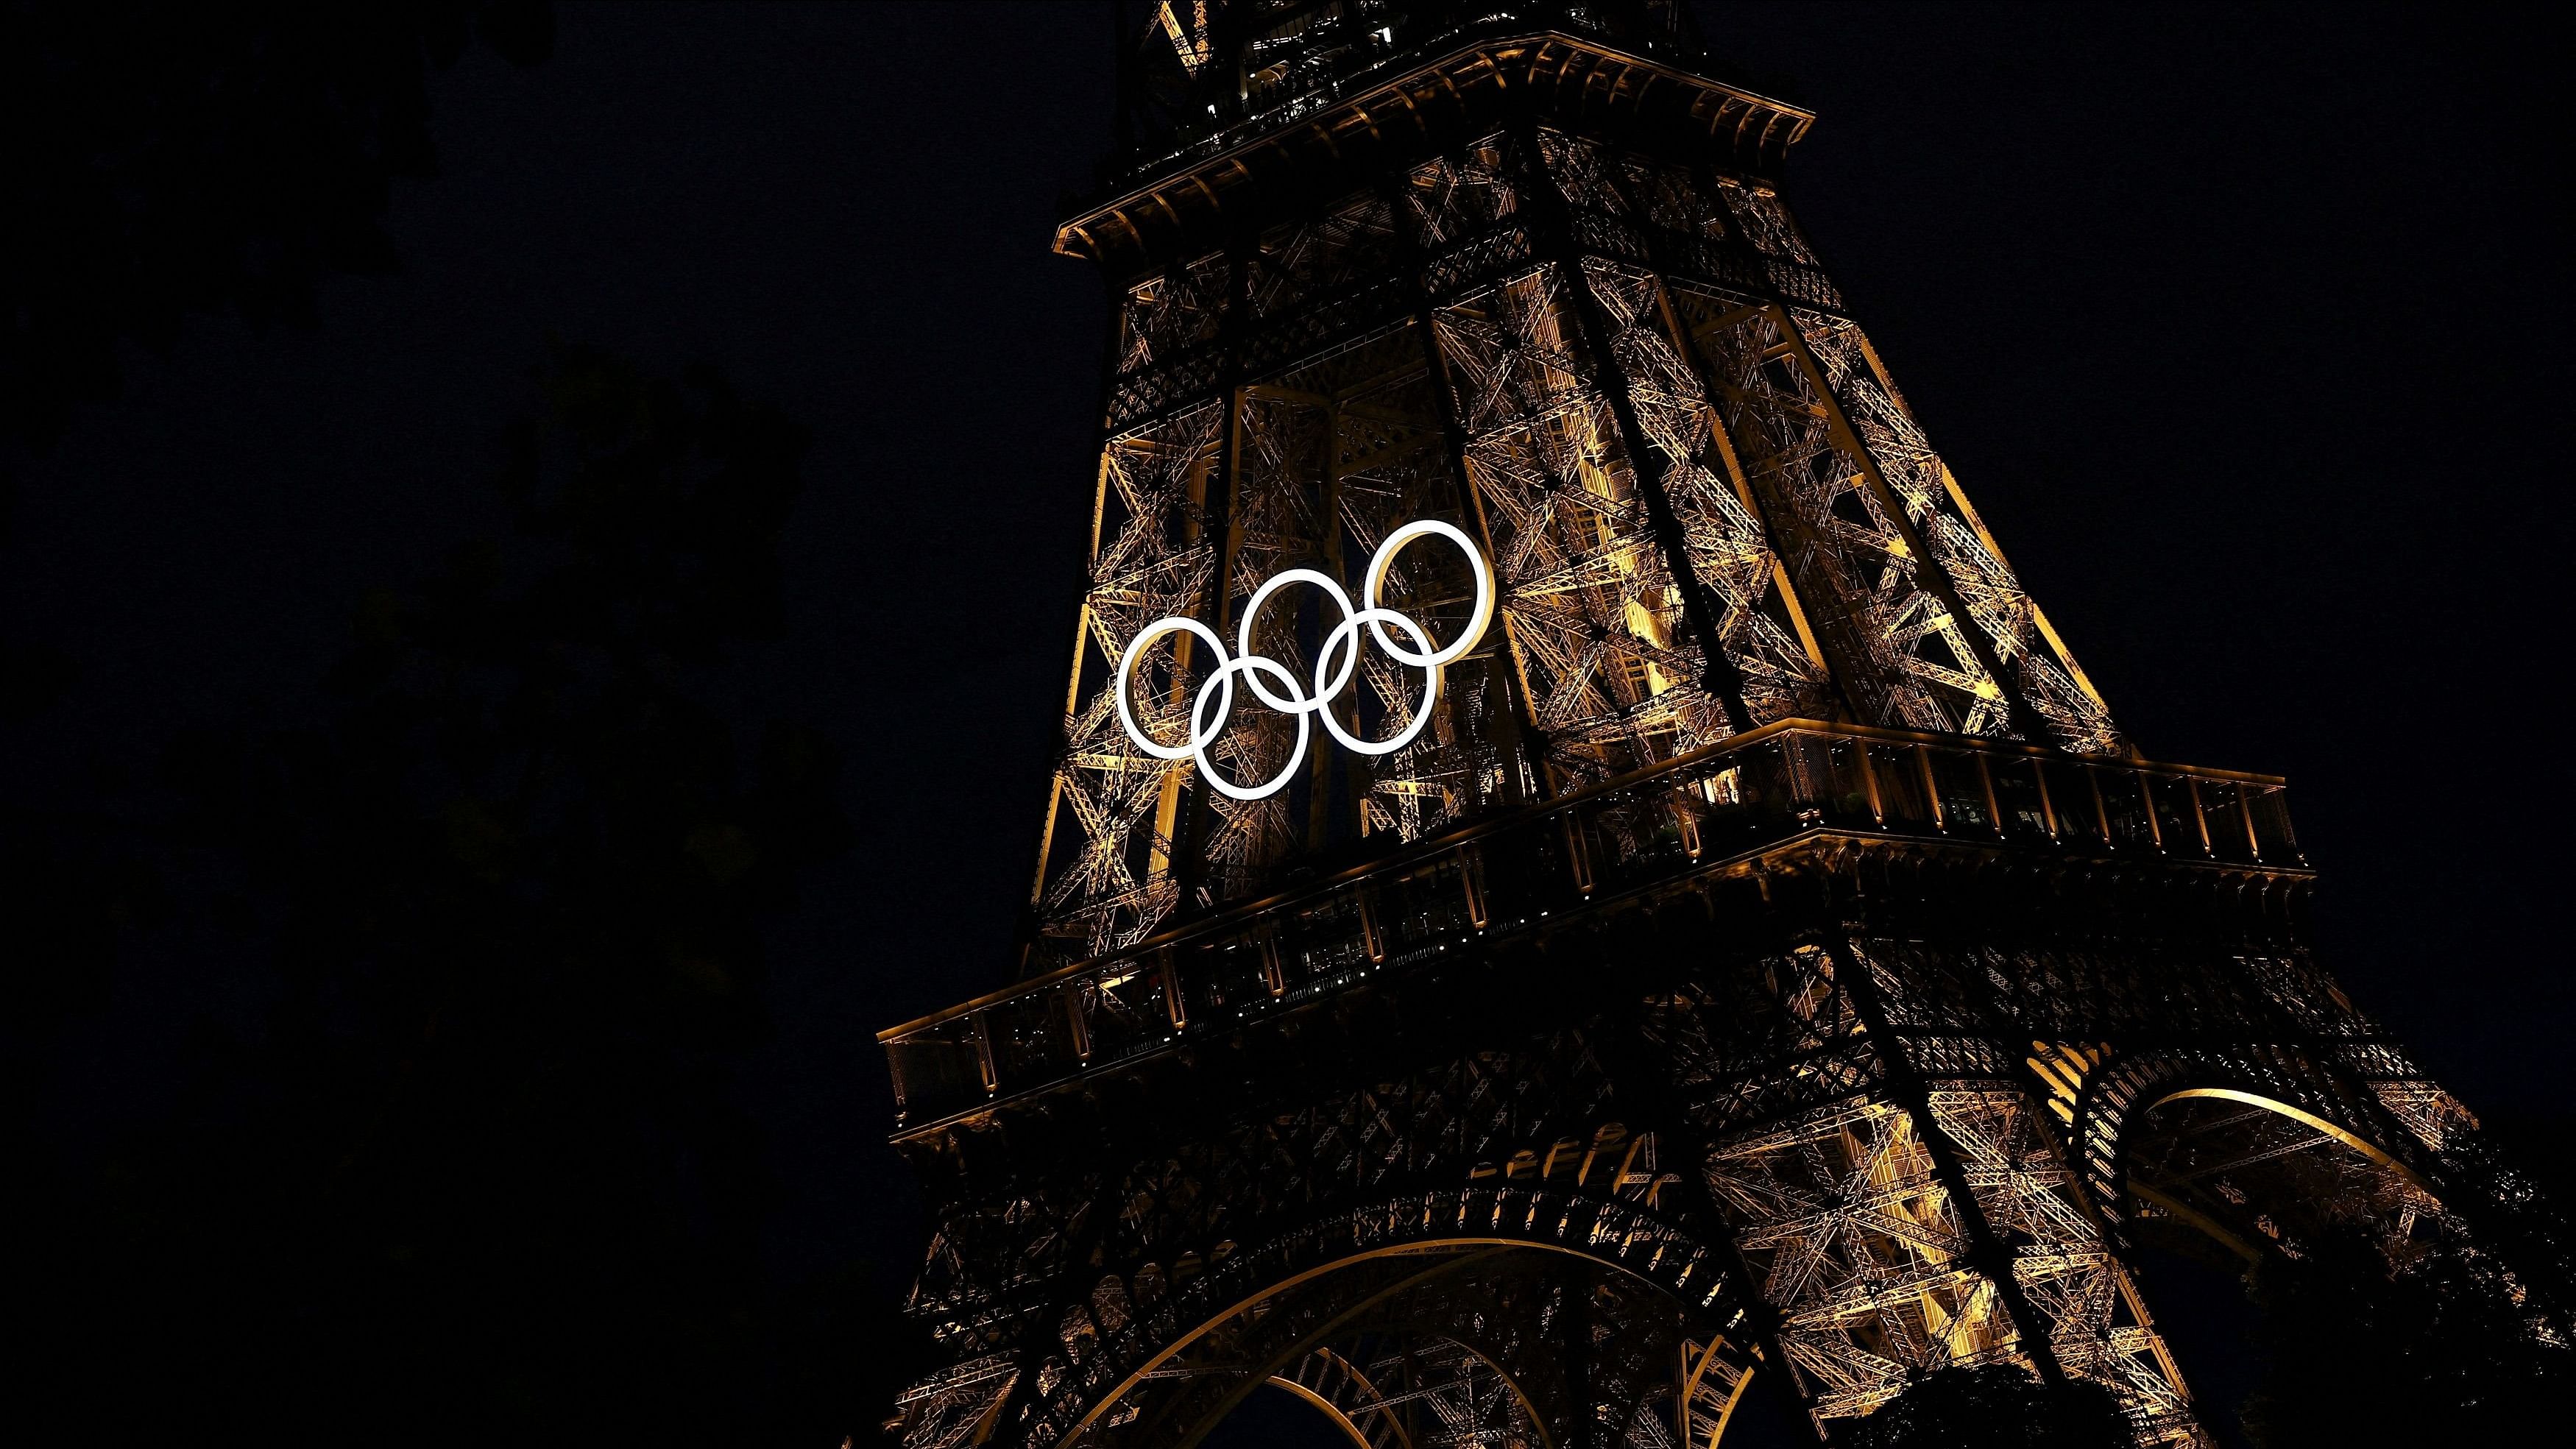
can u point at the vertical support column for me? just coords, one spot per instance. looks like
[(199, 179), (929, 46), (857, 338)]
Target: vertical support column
[(1553, 230), (1112, 341), (1189, 839), (2034, 1183), (1696, 359), (1176, 1007), (1651, 1105), (1076, 1020), (1574, 1310), (1732, 247), (1931, 787), (2147, 805), (984, 1063), (1986, 1251), (1471, 505)]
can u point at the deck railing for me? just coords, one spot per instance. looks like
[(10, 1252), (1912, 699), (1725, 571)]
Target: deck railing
[(1744, 794)]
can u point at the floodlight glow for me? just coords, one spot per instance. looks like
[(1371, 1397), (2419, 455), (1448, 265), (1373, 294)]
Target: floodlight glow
[(1214, 703)]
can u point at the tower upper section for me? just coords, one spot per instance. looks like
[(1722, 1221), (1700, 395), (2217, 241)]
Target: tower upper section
[(1274, 96), (1480, 427), (1195, 74)]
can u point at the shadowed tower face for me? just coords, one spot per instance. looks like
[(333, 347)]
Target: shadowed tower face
[(1577, 876)]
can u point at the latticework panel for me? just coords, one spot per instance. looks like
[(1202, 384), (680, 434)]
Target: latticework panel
[(1458, 198), (1172, 313), (1590, 607), (1614, 203), (950, 1407), (1900, 653), (1404, 1392), (1892, 515), (2439, 1120), (1758, 623), (1106, 876), (2034, 661), (1336, 454), (1283, 398), (2256, 1177), (1087, 1275), (1139, 1228), (2030, 1198), (1714, 1376), (1842, 1220), (1311, 281), (1458, 1345), (1747, 1049)]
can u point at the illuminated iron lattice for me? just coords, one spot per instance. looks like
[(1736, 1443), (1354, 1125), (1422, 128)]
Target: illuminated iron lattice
[(1769, 964)]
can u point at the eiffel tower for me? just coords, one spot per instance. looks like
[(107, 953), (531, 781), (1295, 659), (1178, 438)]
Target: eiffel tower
[(1578, 879)]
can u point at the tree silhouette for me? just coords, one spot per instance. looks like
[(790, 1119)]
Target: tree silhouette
[(161, 160), (2436, 1351), (478, 1173)]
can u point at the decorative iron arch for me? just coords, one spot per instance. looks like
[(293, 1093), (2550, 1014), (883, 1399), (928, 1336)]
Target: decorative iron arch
[(1351, 1396), (2119, 1093), (1347, 1394), (1320, 1276)]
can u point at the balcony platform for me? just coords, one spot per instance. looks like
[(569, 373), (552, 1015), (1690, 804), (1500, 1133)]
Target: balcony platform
[(1789, 787)]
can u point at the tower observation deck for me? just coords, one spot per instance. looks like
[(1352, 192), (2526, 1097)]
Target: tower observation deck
[(1577, 876)]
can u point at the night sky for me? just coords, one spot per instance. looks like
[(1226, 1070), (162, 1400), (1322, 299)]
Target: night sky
[(2245, 329)]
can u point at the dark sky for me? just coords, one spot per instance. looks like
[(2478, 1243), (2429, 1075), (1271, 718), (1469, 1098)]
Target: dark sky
[(2245, 329)]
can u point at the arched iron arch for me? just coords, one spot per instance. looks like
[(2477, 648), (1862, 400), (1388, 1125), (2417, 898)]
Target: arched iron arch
[(2273, 1170), (2335, 1130), (1491, 1216), (1339, 1388), (2129, 1085)]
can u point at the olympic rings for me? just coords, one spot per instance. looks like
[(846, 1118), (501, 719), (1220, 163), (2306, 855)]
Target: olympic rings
[(1214, 703)]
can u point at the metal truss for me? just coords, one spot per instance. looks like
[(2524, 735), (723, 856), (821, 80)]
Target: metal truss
[(1482, 1346), (1708, 509), (1590, 606), (1115, 807), (1201, 1272), (1770, 961), (1415, 1393), (1859, 1249), (1847, 1161), (2080, 1297), (1764, 634), (2034, 662)]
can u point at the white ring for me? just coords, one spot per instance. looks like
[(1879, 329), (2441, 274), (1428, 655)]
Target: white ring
[(1173, 624), (1252, 612), (1430, 672), (1247, 665), (1214, 703), (1385, 559)]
